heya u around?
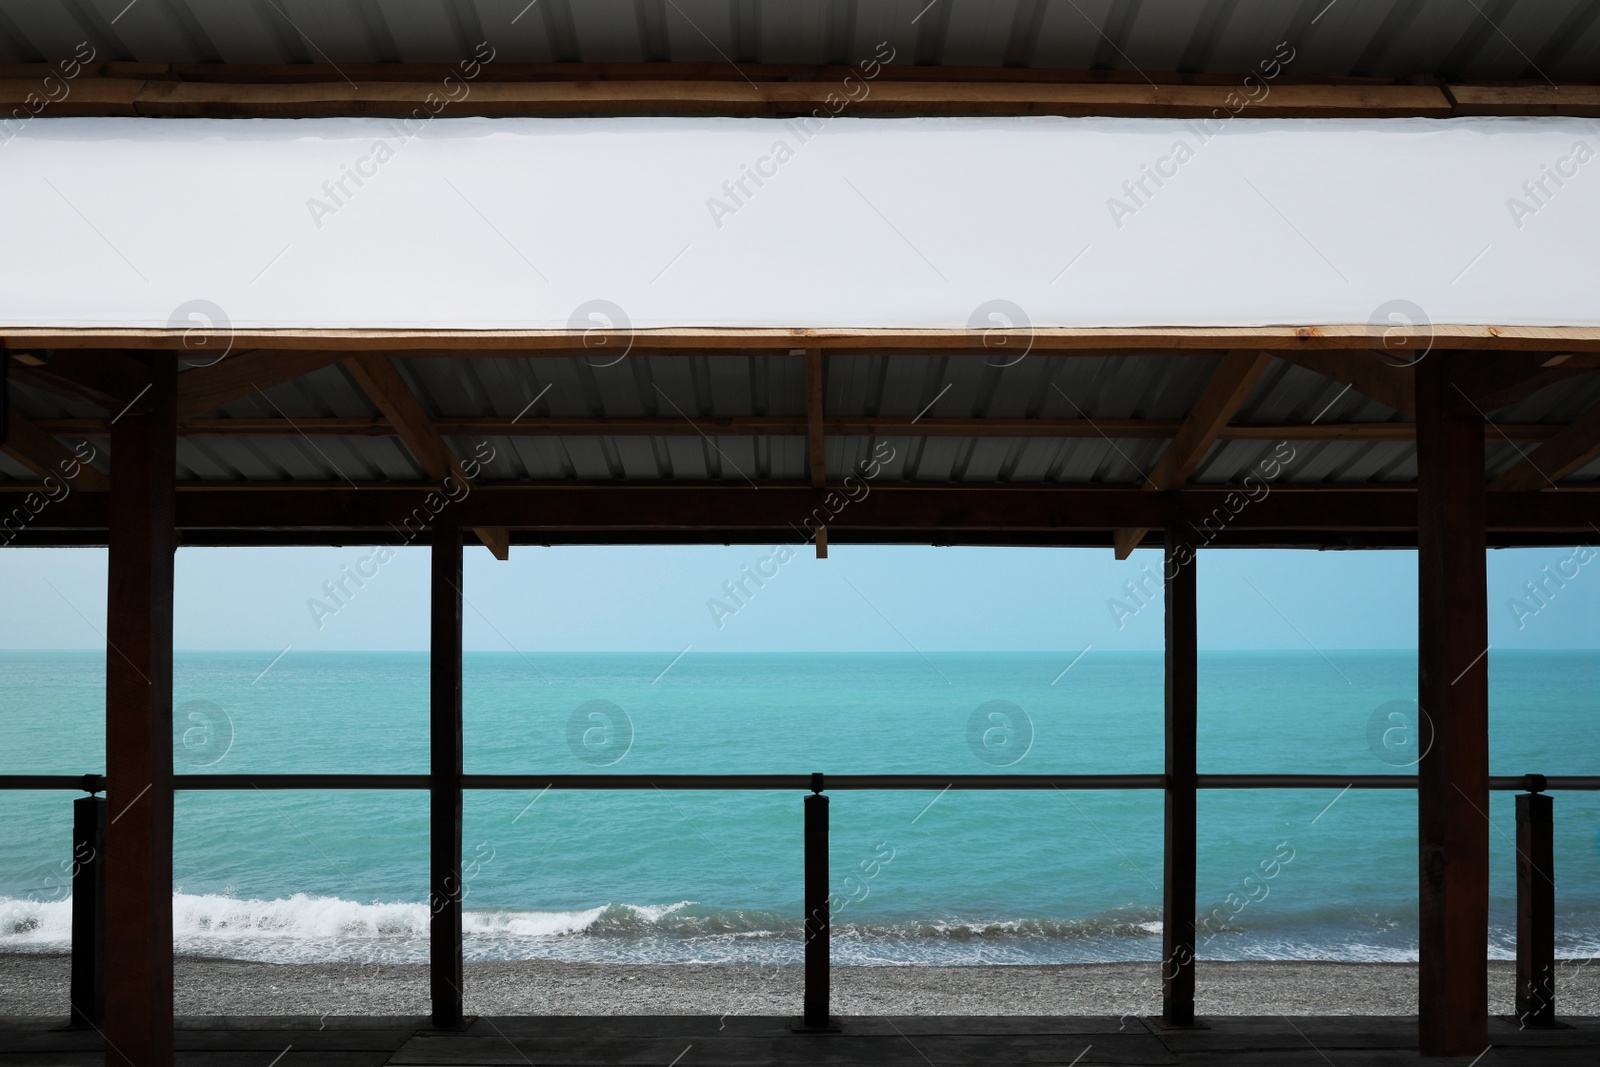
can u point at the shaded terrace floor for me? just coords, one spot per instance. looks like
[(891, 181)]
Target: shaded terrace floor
[(869, 1041)]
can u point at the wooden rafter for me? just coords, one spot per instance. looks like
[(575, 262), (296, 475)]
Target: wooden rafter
[(1573, 446), (815, 451), (1374, 376), (386, 389), (1227, 388), (33, 447), (109, 380), (793, 426), (1498, 381), (235, 375)]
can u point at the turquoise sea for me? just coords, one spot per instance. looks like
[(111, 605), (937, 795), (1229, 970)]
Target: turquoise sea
[(959, 878)]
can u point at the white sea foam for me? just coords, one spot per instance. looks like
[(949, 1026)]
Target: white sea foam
[(306, 928), (30, 923), (209, 922)]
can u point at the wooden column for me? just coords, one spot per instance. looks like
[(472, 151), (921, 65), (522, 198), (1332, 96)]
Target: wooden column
[(138, 868), (1453, 694), (1536, 908), (88, 982), (445, 768), (1178, 868)]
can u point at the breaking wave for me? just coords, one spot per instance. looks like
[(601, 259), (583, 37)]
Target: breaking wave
[(304, 928)]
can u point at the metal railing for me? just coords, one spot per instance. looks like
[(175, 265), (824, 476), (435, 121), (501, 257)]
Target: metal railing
[(1535, 997), (792, 782)]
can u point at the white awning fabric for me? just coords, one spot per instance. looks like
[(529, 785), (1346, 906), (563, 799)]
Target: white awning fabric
[(470, 223)]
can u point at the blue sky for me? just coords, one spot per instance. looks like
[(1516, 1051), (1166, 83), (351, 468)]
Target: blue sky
[(860, 599)]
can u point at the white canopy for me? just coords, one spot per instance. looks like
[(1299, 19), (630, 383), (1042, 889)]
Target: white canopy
[(939, 223)]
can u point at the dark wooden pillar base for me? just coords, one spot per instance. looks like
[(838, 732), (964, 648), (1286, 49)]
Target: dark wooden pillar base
[(1536, 909), (88, 984), (819, 917), (1178, 870), (446, 892), (138, 867), (1453, 694)]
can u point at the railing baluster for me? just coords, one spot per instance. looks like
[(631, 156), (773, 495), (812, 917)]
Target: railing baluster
[(1536, 907), (88, 987), (818, 924)]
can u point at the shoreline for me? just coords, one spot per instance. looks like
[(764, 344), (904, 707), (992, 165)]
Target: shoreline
[(36, 985)]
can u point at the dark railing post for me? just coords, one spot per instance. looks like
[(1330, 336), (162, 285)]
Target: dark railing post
[(1180, 845), (818, 925), (447, 895), (88, 985), (1536, 907)]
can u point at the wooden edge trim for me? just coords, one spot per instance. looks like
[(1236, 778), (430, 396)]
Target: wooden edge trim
[(1159, 339)]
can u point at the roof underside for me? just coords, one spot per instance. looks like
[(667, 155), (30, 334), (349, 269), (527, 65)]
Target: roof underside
[(698, 390), (1505, 39)]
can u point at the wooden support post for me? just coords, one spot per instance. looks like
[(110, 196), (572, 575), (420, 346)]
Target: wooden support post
[(1453, 694), (1178, 870), (138, 868), (1536, 908), (445, 956), (816, 453), (819, 922), (88, 988)]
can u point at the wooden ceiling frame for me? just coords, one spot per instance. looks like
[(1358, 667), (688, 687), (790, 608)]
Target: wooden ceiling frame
[(216, 380), (601, 510), (1551, 341), (1573, 446), (1224, 391), (389, 393), (36, 448), (816, 450), (102, 377), (1376, 376), (790, 426), (230, 90)]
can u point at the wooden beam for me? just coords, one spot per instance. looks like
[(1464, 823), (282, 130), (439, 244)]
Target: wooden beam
[(1152, 340), (247, 93), (497, 539), (203, 388), (109, 380), (1372, 375), (817, 454), (793, 426), (1576, 444), (138, 870), (1227, 388), (447, 891), (929, 514), (29, 444), (503, 69), (1453, 698), (377, 377), (1490, 382), (1525, 99), (1182, 740)]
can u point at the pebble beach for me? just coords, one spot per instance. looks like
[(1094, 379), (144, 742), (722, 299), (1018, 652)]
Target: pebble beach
[(36, 985)]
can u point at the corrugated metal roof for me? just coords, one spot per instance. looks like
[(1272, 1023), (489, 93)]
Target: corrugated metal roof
[(1555, 39), (1158, 387)]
